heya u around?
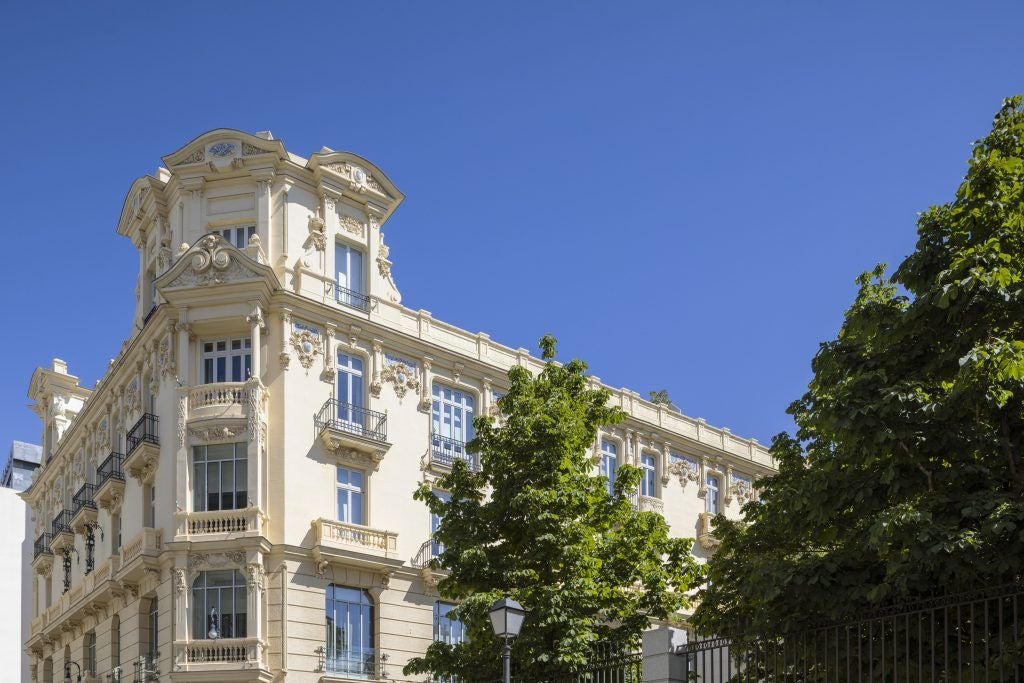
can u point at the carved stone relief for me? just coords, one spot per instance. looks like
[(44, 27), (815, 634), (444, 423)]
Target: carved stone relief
[(401, 374), (306, 342)]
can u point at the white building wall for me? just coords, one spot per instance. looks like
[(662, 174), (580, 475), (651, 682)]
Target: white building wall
[(15, 592)]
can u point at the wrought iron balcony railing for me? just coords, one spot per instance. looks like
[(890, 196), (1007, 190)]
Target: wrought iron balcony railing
[(353, 419), (42, 546), (445, 450), (83, 498), (62, 523), (143, 431), (348, 297), (110, 468)]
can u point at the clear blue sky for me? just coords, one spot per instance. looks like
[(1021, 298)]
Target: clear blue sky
[(681, 192)]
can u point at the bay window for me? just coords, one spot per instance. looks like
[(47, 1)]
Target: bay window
[(219, 605), (227, 360), (220, 477)]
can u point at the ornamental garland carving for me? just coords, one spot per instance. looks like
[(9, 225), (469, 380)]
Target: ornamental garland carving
[(194, 158), (217, 433), (215, 560), (351, 224), (401, 374), (686, 469), (316, 231), (250, 150), (165, 357), (133, 398), (742, 488), (306, 342)]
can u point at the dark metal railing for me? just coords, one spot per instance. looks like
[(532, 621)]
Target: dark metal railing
[(360, 662), (83, 498), (445, 450), (143, 431), (149, 314), (42, 546), (973, 636), (110, 468), (62, 523), (346, 417), (348, 297)]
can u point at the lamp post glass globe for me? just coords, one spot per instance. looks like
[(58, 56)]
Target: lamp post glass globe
[(507, 618), (67, 672)]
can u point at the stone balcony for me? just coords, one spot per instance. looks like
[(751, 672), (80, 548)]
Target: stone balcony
[(220, 524), (218, 401), (705, 537), (225, 659), (333, 539), (141, 553), (94, 592)]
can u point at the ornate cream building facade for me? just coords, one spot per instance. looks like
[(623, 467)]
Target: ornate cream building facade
[(232, 501)]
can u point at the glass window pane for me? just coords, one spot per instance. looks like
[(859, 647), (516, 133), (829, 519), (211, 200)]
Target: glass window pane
[(357, 508)]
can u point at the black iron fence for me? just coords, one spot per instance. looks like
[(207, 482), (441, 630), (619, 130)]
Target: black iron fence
[(41, 546), (346, 417), (143, 431), (110, 468), (348, 297), (83, 498), (975, 636), (62, 523)]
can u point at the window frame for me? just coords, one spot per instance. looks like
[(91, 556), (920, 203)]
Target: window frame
[(239, 618), (366, 610), (234, 231), (713, 493), (455, 624), (351, 489), (211, 374), (237, 504), (609, 456), (649, 478)]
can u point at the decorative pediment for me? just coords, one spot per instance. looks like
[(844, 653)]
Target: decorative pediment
[(209, 262), (224, 147)]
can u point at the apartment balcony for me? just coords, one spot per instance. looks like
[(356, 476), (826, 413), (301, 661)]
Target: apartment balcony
[(643, 503), (142, 454), (218, 401), (62, 537), (83, 508), (427, 552), (140, 553), (225, 659), (354, 433), (348, 297), (42, 556), (220, 524), (110, 482), (340, 540), (444, 451), (704, 532)]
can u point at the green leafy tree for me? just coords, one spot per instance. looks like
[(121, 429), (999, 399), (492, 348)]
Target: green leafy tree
[(660, 397), (536, 524), (907, 473)]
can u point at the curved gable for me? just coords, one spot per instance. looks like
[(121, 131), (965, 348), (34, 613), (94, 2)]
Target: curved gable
[(224, 144)]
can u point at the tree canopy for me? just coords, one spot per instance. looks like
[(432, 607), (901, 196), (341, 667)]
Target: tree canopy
[(536, 524), (905, 475)]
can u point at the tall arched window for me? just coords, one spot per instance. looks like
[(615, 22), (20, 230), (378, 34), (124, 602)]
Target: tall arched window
[(349, 647), (115, 642), (451, 425), (219, 605)]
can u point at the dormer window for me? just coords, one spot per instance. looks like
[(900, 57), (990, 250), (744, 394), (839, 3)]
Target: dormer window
[(238, 237)]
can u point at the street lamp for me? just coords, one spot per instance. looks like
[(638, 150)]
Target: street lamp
[(67, 672), (506, 619)]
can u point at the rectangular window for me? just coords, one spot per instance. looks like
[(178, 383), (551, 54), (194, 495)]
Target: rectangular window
[(115, 536), (648, 480), (349, 617), (609, 463), (154, 629), (451, 424), (220, 477), (711, 497), (90, 653), (435, 522), (348, 261), (350, 391), (447, 628), (350, 490), (115, 642), (219, 605), (239, 237), (227, 360)]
